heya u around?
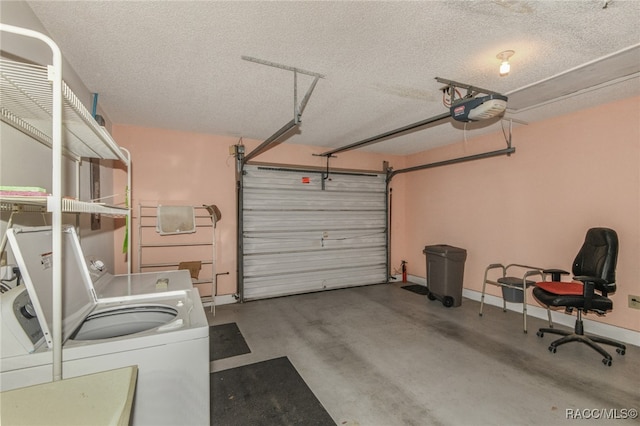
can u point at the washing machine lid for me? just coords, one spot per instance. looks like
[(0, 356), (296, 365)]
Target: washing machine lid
[(32, 248)]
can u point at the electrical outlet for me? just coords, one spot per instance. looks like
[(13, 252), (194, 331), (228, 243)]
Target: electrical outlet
[(234, 150), (634, 301)]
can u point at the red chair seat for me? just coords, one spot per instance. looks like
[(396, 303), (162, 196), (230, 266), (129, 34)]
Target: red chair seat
[(558, 287)]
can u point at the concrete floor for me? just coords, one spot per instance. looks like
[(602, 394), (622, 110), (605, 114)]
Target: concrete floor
[(381, 355)]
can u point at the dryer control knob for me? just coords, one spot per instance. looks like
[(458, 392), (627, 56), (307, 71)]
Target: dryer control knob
[(97, 265), (28, 311)]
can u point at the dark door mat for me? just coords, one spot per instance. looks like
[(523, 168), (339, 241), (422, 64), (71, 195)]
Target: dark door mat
[(416, 288), (265, 393), (225, 340)]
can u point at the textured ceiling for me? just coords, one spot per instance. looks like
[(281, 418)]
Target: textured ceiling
[(178, 65)]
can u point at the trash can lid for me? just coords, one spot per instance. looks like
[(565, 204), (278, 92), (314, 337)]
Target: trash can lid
[(446, 250)]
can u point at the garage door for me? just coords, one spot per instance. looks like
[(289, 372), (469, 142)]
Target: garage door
[(303, 233)]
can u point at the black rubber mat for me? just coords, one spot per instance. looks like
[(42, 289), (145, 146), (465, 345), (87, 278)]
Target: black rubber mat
[(416, 288), (265, 393), (226, 340)]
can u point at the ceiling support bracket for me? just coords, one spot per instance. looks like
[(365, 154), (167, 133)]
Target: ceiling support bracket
[(505, 151), (298, 108), (271, 141), (508, 140), (472, 91)]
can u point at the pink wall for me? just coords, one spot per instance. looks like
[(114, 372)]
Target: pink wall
[(568, 174), (182, 168), (195, 169)]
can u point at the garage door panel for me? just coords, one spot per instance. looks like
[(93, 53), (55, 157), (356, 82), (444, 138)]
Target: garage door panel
[(261, 242), (301, 282), (287, 179), (354, 183), (294, 221), (301, 233), (271, 178), (278, 200), (317, 261)]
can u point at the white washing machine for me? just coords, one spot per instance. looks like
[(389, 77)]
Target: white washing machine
[(155, 321)]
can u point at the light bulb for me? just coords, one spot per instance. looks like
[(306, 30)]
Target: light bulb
[(505, 67)]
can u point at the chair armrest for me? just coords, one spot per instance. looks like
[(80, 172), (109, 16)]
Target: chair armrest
[(588, 289), (585, 279), (555, 273)]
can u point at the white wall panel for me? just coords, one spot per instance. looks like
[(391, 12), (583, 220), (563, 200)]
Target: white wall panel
[(303, 233)]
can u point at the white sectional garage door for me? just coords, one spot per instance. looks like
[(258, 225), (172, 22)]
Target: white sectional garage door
[(303, 233)]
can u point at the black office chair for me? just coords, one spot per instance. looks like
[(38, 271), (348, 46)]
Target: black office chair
[(595, 268)]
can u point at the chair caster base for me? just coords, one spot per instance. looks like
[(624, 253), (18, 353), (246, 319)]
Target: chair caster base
[(591, 341)]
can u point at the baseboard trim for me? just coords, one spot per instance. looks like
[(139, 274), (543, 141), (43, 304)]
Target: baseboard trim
[(558, 317)]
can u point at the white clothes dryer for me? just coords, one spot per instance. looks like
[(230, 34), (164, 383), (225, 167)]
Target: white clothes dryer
[(164, 333)]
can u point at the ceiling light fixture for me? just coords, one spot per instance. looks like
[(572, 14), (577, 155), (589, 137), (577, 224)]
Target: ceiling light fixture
[(505, 66)]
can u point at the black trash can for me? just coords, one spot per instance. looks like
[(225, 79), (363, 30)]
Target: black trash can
[(445, 273)]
